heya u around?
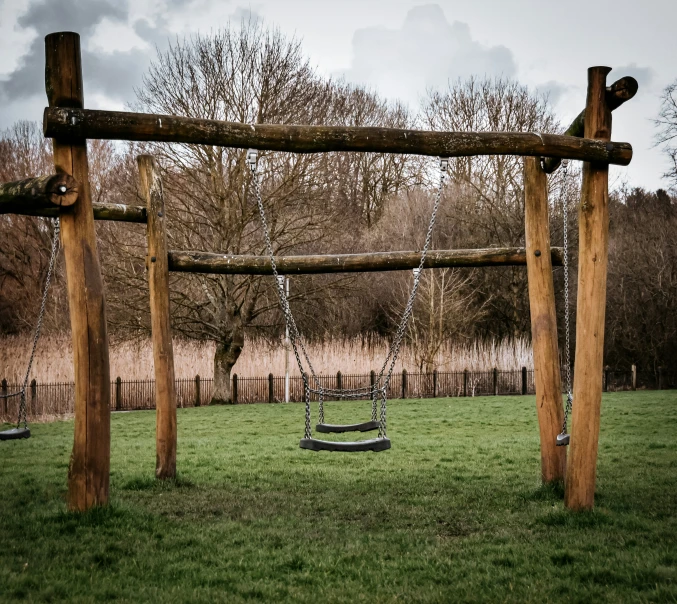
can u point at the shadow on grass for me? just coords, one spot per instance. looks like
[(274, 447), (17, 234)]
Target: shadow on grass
[(150, 483)]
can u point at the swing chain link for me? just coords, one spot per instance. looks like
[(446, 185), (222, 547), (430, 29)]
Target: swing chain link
[(23, 410), (567, 322)]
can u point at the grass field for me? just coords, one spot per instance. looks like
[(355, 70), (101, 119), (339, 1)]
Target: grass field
[(454, 512)]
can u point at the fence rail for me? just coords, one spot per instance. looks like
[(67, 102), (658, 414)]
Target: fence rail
[(57, 399)]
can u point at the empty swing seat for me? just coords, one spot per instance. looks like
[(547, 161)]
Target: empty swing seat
[(15, 434), (373, 444), (337, 428)]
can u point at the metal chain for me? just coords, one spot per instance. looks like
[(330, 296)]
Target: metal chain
[(36, 336), (567, 323), (380, 386)]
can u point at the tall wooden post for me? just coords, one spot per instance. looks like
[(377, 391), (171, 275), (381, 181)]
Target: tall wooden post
[(543, 321), (163, 352), (89, 470), (592, 274)]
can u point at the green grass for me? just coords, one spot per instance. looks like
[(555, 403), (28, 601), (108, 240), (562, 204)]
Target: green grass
[(454, 512)]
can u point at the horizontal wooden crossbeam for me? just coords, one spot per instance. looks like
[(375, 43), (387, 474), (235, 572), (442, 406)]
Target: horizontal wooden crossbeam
[(81, 124), (35, 194), (102, 211), (224, 264)]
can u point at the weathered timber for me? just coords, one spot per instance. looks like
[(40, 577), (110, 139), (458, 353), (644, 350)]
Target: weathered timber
[(593, 253), (618, 93), (89, 470), (120, 125), (224, 264), (53, 191), (543, 321), (102, 211), (163, 352)]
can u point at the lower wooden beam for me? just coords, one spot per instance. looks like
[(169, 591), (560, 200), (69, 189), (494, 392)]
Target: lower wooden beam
[(543, 321), (224, 264), (117, 212)]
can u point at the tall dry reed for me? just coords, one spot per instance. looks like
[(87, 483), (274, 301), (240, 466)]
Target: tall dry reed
[(134, 360)]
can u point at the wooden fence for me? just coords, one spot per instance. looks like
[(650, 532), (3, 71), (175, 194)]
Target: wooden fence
[(56, 399)]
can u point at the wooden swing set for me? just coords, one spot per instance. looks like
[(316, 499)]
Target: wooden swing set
[(70, 125)]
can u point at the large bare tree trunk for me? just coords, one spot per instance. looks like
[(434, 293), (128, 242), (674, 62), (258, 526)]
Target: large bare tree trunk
[(226, 355)]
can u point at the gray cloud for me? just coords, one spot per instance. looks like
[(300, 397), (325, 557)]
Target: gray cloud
[(643, 75), (45, 17), (554, 91), (426, 52)]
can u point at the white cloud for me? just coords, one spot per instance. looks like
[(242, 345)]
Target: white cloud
[(426, 52)]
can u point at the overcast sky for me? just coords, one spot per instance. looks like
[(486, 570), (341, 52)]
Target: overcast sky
[(398, 47)]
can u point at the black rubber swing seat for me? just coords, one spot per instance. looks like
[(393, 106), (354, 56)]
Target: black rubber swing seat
[(373, 444), (15, 434), (337, 428)]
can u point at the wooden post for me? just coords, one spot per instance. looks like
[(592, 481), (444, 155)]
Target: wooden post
[(89, 471), (434, 383), (543, 321), (235, 389), (33, 406), (661, 378), (495, 381), (372, 378), (404, 383), (633, 369), (198, 400), (118, 393), (593, 253), (339, 381), (465, 382), (524, 380), (163, 352), (271, 391), (3, 391), (607, 371)]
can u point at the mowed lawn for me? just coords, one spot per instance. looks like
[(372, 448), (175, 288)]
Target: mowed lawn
[(452, 513)]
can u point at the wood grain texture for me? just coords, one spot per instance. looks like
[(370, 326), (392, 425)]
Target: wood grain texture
[(89, 470), (618, 93), (163, 352), (592, 276), (206, 262), (120, 125), (543, 321), (52, 191)]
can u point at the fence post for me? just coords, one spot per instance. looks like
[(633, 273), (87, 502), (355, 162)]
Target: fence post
[(34, 397), (606, 378), (495, 381), (372, 378), (465, 382), (198, 400), (4, 396), (118, 393), (524, 380), (404, 383), (271, 388), (235, 389), (661, 378), (633, 370), (434, 383), (339, 381)]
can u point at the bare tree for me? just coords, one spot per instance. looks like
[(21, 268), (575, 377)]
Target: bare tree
[(489, 198), (24, 240), (667, 125), (250, 75)]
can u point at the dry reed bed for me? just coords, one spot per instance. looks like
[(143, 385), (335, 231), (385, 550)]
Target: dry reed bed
[(133, 360)]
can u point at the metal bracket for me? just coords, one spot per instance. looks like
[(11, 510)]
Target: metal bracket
[(252, 155), (444, 164)]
